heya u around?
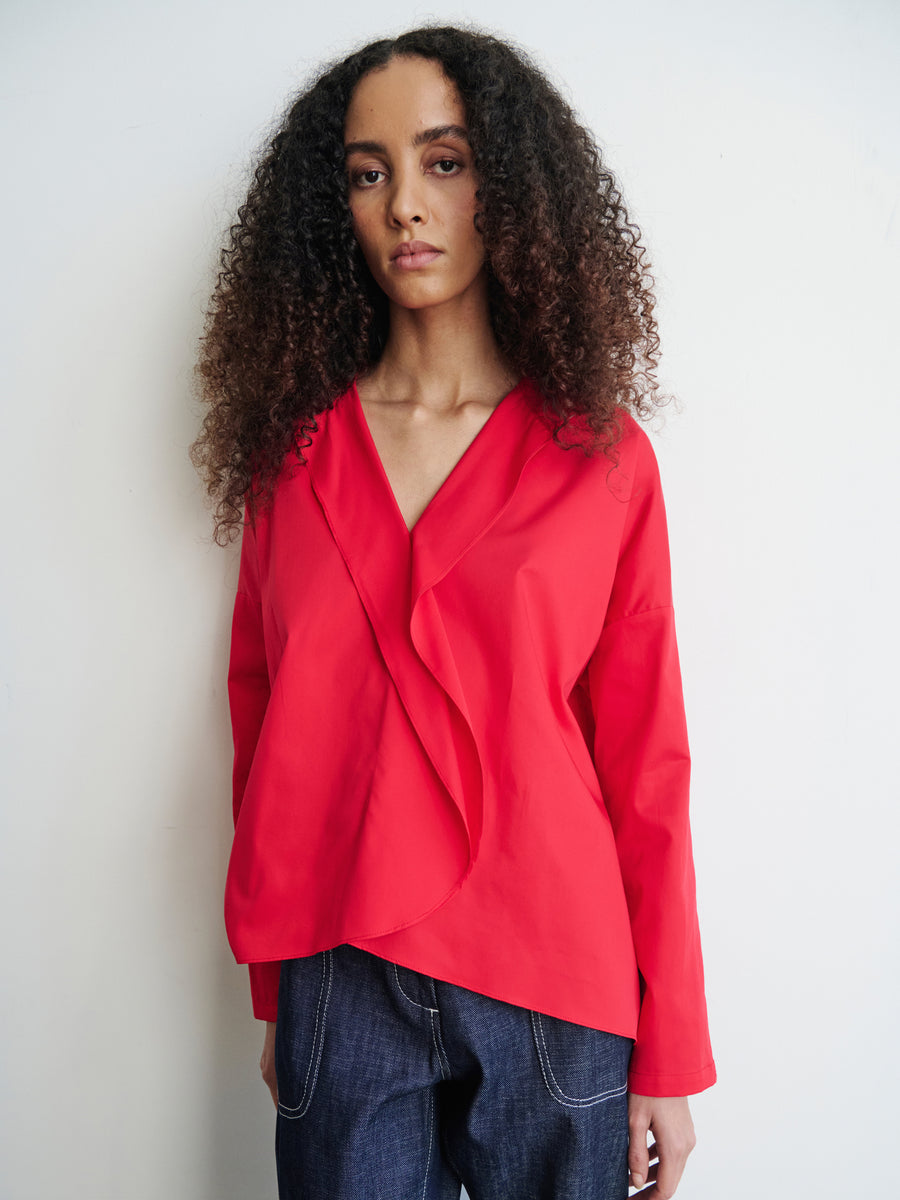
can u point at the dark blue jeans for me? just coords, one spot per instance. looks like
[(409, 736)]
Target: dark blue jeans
[(396, 1086)]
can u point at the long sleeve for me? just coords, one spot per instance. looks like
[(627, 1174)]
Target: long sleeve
[(643, 764), (248, 696)]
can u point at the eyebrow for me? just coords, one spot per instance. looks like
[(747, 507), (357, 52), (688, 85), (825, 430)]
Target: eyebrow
[(438, 133)]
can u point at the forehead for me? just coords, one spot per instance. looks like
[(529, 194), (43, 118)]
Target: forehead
[(408, 94)]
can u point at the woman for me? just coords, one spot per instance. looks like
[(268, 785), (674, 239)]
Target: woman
[(461, 872)]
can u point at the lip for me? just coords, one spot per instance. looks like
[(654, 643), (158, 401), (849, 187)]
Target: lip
[(409, 256)]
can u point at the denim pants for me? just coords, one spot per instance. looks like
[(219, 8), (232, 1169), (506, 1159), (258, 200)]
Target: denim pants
[(396, 1086)]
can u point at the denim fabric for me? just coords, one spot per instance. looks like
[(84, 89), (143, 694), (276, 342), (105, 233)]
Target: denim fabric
[(396, 1086)]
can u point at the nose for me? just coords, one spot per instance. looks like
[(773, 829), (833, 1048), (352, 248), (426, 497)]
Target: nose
[(408, 203)]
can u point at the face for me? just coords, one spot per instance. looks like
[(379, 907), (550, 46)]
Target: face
[(412, 185)]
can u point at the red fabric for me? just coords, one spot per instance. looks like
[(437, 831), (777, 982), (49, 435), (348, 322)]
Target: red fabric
[(464, 749)]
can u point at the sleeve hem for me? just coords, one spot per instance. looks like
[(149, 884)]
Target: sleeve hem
[(265, 1011), (264, 981), (686, 1084)]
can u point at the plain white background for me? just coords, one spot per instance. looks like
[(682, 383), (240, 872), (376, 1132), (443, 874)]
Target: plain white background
[(757, 145)]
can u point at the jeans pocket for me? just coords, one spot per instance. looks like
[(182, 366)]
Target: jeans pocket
[(303, 996), (581, 1066)]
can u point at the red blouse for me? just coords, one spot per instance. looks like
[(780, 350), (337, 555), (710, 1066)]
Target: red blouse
[(463, 748)]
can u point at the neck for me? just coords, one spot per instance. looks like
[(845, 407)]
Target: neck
[(442, 356)]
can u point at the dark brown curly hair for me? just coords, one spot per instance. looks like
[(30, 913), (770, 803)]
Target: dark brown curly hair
[(295, 315)]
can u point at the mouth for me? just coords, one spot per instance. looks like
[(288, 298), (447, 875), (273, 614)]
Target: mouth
[(410, 255)]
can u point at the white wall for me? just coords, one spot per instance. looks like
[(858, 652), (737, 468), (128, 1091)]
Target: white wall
[(758, 147)]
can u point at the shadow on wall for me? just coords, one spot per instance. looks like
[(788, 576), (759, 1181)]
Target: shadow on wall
[(234, 1136), (240, 1118)]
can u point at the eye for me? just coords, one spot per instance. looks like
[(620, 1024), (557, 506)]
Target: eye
[(368, 178), (447, 166)]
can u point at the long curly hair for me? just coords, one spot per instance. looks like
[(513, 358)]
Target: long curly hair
[(296, 316)]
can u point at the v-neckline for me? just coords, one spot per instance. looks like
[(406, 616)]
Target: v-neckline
[(349, 480), (458, 467)]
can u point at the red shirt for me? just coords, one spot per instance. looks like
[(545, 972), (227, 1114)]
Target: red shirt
[(463, 748)]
